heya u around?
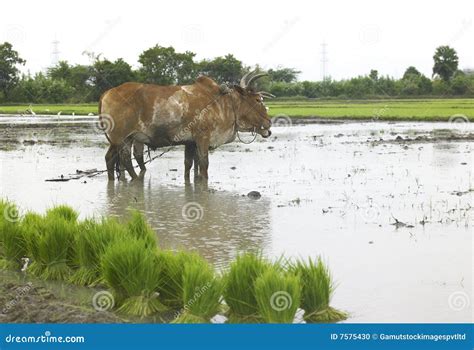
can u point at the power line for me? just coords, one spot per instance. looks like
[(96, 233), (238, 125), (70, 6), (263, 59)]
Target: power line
[(324, 60), (55, 53)]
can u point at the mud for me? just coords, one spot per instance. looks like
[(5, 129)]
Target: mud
[(28, 300)]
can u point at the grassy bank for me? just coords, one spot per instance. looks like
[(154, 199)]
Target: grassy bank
[(389, 109), (376, 109), (66, 109), (143, 280)]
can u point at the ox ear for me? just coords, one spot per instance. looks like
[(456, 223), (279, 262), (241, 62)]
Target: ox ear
[(240, 90)]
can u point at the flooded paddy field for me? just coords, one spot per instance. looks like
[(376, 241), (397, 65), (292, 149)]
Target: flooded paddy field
[(388, 205)]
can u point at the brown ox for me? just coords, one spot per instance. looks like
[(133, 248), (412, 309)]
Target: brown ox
[(200, 116)]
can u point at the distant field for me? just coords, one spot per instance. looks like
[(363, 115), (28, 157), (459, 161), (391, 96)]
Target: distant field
[(379, 109), (436, 109)]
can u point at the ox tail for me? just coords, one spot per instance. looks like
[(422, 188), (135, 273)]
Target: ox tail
[(117, 155), (100, 117)]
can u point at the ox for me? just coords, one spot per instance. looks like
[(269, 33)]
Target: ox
[(201, 116)]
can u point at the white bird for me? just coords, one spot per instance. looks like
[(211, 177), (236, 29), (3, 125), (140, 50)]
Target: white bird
[(25, 261)]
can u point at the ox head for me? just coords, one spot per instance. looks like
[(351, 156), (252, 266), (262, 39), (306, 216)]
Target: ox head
[(252, 113)]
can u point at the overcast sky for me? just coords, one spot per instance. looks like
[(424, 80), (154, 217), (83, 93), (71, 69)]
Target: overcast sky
[(360, 35)]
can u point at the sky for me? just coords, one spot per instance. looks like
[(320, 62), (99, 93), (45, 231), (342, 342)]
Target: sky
[(360, 35)]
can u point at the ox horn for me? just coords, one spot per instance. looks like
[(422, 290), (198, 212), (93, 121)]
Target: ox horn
[(255, 77), (243, 81), (266, 94)]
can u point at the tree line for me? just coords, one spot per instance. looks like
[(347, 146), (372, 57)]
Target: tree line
[(75, 83)]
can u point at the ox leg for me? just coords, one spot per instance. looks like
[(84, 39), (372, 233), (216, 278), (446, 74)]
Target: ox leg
[(196, 163), (189, 152), (203, 156), (111, 159), (126, 158), (138, 148), (119, 168)]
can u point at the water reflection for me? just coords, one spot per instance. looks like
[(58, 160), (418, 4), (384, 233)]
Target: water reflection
[(217, 224)]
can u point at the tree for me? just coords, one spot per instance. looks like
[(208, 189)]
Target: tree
[(374, 75), (414, 83), (106, 75), (445, 62), (62, 70), (411, 71), (9, 60), (41, 89), (77, 77), (227, 69), (164, 66), (460, 83), (281, 74)]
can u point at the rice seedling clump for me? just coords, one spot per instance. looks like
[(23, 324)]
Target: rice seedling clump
[(239, 291), (138, 228), (56, 248), (278, 296), (317, 289), (13, 245), (92, 241), (33, 228), (171, 287), (133, 271), (202, 291), (64, 212), (146, 280)]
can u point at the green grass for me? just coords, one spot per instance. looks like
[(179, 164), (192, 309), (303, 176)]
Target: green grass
[(385, 109), (278, 296)]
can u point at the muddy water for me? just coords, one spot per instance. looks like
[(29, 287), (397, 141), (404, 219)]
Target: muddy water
[(388, 205)]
